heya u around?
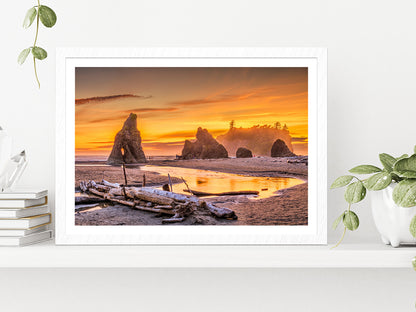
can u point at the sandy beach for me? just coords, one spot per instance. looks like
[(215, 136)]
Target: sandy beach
[(288, 206), (257, 166)]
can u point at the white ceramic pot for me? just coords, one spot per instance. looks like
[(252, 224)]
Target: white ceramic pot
[(391, 220)]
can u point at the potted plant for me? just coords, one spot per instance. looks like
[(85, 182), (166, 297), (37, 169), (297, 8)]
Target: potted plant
[(393, 202)]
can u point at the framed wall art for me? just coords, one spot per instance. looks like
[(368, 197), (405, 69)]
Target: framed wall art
[(191, 146)]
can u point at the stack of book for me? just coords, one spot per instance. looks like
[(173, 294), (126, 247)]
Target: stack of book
[(24, 217)]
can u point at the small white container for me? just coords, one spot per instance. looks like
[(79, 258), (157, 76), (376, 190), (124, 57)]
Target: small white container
[(392, 221)]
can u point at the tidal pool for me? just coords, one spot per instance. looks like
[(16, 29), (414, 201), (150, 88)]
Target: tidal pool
[(217, 182)]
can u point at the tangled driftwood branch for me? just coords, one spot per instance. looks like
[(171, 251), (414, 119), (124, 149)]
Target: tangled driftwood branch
[(178, 206)]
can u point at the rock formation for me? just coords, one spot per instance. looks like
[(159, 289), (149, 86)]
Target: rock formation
[(258, 139), (205, 147), (280, 149), (129, 143), (243, 152)]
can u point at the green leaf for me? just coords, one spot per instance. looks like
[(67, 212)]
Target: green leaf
[(342, 181), (355, 192), (338, 220), (39, 53), (47, 16), (406, 164), (22, 56), (414, 263), (402, 157), (351, 221), (406, 167), (395, 176), (378, 181), (412, 227), (30, 17), (407, 174), (387, 161), (414, 150), (404, 194), (365, 169)]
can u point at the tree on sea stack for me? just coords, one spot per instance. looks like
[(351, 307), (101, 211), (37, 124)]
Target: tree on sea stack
[(128, 140), (258, 139)]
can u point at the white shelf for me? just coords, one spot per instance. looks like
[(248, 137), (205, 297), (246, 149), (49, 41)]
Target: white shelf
[(47, 255)]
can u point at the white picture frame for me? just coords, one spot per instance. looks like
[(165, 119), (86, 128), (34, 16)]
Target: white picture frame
[(316, 230)]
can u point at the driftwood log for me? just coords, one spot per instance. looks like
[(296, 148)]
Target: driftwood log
[(135, 193), (157, 210), (106, 183), (178, 206), (83, 207), (80, 200), (173, 220), (217, 211)]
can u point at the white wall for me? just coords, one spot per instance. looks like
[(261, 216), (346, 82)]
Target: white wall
[(371, 108)]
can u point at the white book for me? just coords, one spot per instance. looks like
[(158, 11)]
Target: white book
[(23, 193), (25, 223), (25, 240), (33, 230), (22, 203), (22, 213)]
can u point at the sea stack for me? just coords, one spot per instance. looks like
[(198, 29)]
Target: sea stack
[(127, 140), (205, 147), (280, 149), (243, 152)]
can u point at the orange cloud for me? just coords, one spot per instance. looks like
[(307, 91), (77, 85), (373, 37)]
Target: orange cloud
[(222, 98), (150, 110), (99, 99)]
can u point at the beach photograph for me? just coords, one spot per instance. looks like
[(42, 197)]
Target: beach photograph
[(191, 146)]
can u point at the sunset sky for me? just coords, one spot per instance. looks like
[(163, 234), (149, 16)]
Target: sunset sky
[(171, 103)]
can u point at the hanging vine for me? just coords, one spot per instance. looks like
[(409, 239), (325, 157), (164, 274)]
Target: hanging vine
[(45, 15)]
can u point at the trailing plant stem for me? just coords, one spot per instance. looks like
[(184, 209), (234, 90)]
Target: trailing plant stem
[(341, 239), (343, 233), (34, 44), (36, 73)]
